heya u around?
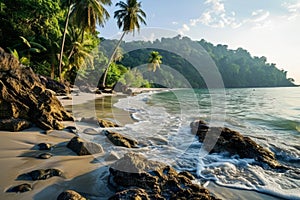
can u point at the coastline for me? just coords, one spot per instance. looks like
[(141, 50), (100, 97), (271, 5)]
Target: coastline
[(88, 177)]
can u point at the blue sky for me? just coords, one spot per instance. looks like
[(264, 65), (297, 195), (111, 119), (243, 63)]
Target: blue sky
[(268, 28)]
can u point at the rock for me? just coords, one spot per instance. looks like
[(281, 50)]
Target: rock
[(59, 88), (42, 174), (107, 124), (67, 98), (82, 148), (45, 156), (119, 140), (119, 87), (25, 187), (90, 131), (70, 195), (138, 194), (45, 146), (14, 124), (23, 96), (72, 129), (233, 142), (135, 177), (102, 122), (112, 156)]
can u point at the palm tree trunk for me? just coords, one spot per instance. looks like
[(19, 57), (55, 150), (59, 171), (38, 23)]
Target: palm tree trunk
[(111, 59), (63, 44)]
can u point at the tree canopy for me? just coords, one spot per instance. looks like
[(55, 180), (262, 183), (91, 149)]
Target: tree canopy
[(237, 67)]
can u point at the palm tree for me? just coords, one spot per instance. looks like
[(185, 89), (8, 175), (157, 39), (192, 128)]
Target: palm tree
[(128, 18), (86, 14), (78, 53), (154, 61)]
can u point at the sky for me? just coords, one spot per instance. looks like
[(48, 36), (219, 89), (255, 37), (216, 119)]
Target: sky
[(269, 28)]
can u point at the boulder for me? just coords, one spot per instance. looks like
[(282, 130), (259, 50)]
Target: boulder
[(14, 124), (83, 148), (23, 96), (139, 194), (41, 174), (57, 87), (107, 124), (135, 177), (102, 122), (231, 141), (44, 156), (45, 146), (119, 140), (25, 187), (70, 195)]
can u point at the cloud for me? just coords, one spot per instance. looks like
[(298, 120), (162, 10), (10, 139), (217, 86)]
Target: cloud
[(216, 5), (216, 16), (260, 15), (293, 9), (183, 29)]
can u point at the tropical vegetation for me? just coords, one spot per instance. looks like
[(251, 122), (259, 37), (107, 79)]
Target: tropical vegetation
[(59, 39)]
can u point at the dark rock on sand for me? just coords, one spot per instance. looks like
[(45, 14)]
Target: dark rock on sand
[(40, 174), (44, 146), (70, 195), (233, 142), (101, 122), (25, 187), (23, 96), (82, 148), (131, 194), (72, 129), (120, 140), (135, 177), (14, 124), (107, 124), (44, 156)]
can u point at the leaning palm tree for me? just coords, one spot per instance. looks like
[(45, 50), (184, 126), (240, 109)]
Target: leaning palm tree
[(86, 14), (128, 18), (154, 61)]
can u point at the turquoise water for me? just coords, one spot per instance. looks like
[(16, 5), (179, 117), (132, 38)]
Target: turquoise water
[(270, 116)]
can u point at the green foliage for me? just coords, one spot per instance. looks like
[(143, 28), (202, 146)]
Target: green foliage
[(154, 61), (237, 67), (130, 15), (134, 78)]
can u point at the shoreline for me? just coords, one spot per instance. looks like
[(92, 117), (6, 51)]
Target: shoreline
[(88, 177)]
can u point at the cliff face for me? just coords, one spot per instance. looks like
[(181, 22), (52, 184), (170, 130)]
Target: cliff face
[(23, 96)]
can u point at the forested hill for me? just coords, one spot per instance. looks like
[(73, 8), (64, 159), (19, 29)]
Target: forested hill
[(237, 67)]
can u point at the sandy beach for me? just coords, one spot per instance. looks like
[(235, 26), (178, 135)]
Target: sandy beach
[(84, 174)]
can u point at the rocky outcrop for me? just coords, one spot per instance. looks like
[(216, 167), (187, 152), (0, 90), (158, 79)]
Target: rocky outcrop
[(135, 177), (120, 140), (22, 96), (83, 148), (219, 139), (57, 87), (14, 124), (70, 195)]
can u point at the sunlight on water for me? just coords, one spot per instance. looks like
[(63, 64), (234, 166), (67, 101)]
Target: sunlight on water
[(270, 116)]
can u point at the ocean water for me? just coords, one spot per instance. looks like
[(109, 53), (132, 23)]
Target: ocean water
[(270, 116)]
